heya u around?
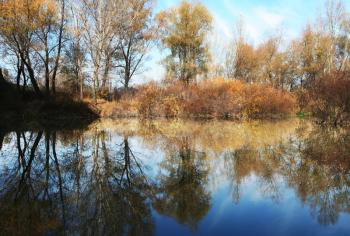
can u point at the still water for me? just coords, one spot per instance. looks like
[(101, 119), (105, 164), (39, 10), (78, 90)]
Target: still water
[(130, 177)]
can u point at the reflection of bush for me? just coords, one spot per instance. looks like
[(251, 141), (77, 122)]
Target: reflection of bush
[(93, 180), (313, 161), (316, 165), (320, 175)]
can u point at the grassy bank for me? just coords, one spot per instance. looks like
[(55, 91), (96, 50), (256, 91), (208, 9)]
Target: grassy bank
[(18, 108), (218, 98)]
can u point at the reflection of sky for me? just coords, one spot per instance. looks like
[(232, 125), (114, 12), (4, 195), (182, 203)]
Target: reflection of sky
[(256, 213)]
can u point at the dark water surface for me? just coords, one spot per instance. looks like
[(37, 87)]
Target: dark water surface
[(127, 177)]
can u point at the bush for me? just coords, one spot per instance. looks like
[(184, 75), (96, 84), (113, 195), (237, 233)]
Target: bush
[(263, 101), (330, 98), (171, 106), (217, 98), (148, 98), (214, 98)]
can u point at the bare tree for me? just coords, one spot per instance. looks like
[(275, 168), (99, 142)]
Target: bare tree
[(75, 53), (100, 21), (50, 36), (135, 38)]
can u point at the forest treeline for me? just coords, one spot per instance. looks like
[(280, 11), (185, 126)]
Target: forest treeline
[(94, 50)]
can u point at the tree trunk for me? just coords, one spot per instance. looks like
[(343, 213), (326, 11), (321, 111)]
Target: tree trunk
[(33, 81), (24, 80), (54, 73), (20, 68), (106, 72), (2, 136), (126, 80), (47, 81), (31, 74), (2, 79), (81, 88), (94, 87), (81, 80), (47, 68)]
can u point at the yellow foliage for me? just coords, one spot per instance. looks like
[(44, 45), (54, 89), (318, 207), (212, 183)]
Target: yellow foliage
[(26, 16), (183, 30)]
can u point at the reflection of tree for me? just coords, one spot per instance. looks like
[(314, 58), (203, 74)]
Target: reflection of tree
[(316, 165), (246, 161), (115, 199), (64, 190), (94, 182), (182, 192), (321, 174), (2, 137), (24, 205)]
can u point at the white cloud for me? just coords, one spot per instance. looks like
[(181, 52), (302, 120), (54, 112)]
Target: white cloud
[(222, 26), (268, 18)]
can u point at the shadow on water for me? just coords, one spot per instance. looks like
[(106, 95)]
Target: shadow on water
[(99, 181)]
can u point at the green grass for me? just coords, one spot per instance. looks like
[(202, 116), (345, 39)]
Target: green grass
[(304, 114)]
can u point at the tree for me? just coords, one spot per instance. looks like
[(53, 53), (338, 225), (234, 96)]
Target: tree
[(135, 38), (332, 24), (313, 55), (245, 62), (101, 23), (49, 36), (183, 31), (33, 30), (19, 21), (75, 53)]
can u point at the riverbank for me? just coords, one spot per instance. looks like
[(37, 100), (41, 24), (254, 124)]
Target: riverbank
[(24, 108)]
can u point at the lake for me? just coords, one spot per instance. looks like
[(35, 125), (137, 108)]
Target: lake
[(131, 177)]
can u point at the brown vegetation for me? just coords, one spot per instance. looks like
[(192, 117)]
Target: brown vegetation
[(329, 98), (217, 98)]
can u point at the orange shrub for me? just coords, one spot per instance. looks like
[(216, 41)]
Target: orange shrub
[(171, 107), (148, 98), (214, 98), (330, 98), (217, 98), (265, 101)]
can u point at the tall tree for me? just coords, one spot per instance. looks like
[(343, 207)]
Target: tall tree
[(183, 31), (101, 23), (49, 37), (135, 38), (19, 23), (75, 53)]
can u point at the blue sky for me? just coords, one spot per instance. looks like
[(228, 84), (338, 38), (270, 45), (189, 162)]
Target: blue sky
[(261, 18)]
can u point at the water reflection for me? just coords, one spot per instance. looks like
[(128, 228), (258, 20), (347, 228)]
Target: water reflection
[(181, 193), (76, 187), (111, 178)]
